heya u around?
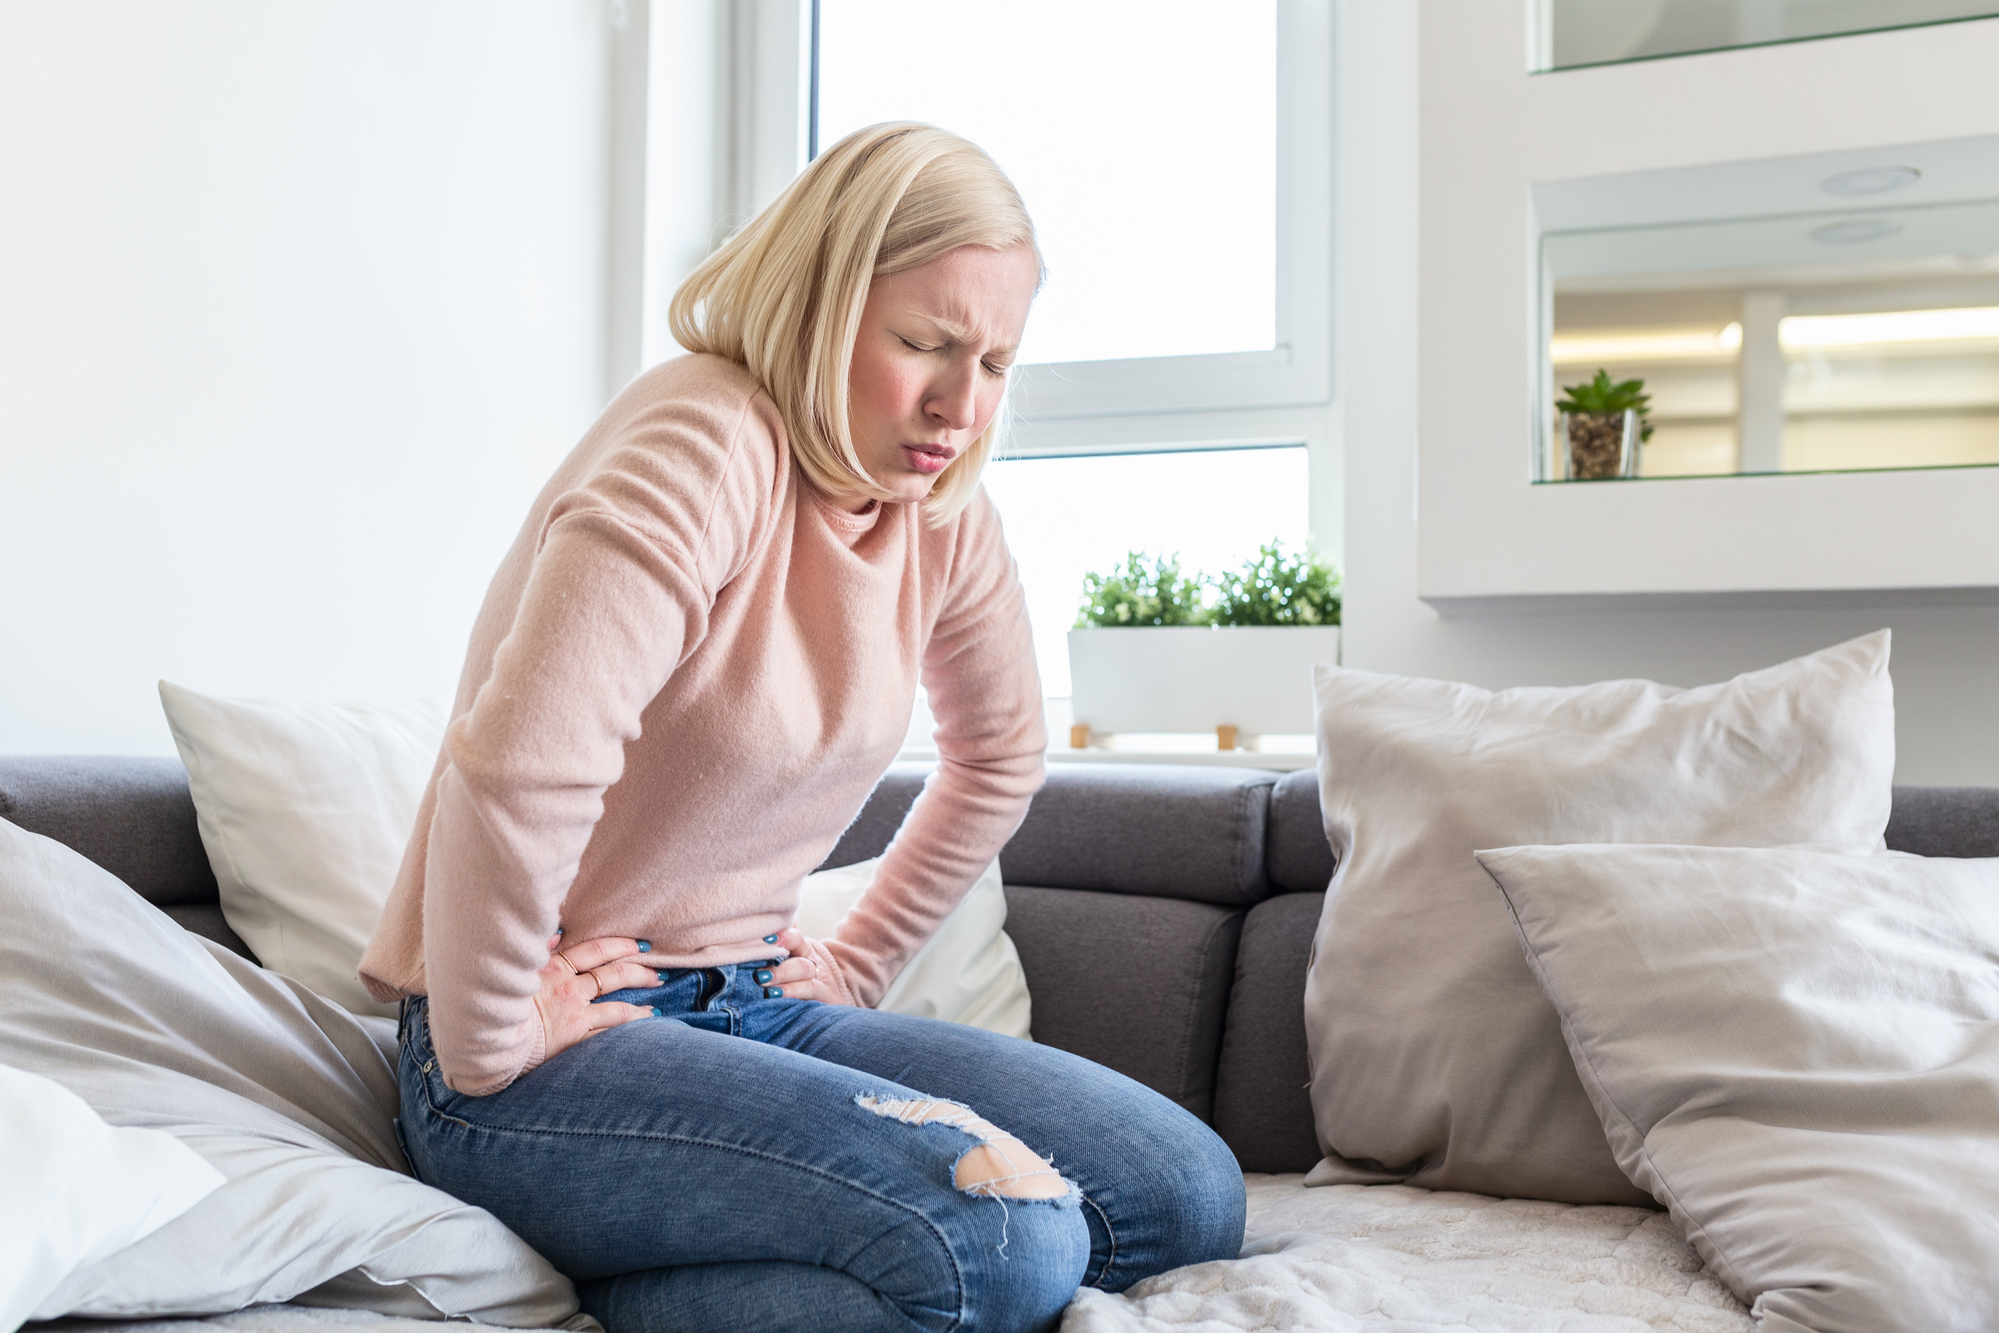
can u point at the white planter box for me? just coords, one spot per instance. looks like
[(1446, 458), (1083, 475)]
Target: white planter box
[(1257, 679)]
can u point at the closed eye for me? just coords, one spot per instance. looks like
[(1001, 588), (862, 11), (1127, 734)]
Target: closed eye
[(914, 347)]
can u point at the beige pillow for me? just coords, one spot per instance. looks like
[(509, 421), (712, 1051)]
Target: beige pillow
[(1797, 1052), (1435, 1059)]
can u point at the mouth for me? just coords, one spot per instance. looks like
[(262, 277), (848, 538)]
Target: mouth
[(929, 458)]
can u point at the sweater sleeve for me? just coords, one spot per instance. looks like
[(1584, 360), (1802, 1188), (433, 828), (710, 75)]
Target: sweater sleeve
[(619, 590), (991, 739)]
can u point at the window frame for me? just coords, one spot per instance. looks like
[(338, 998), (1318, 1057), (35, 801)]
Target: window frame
[(777, 76)]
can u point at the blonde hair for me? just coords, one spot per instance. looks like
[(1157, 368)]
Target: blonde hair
[(783, 297)]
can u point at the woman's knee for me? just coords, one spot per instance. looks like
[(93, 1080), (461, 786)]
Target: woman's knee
[(1189, 1209), (1023, 1260), (1216, 1198), (1017, 1237)]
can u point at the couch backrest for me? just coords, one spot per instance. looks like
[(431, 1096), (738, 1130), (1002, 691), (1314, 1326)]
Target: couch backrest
[(132, 815), (1164, 830), (1164, 914)]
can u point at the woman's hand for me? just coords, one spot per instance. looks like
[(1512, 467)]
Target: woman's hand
[(575, 976), (802, 976)]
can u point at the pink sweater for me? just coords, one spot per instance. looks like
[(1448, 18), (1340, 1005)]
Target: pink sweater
[(686, 677)]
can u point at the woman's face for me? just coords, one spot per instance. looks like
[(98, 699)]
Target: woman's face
[(931, 360)]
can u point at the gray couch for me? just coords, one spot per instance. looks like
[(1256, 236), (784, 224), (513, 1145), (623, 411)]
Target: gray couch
[(1163, 914)]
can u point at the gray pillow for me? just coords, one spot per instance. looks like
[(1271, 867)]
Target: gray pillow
[(290, 1097), (1435, 1059), (1797, 1052)]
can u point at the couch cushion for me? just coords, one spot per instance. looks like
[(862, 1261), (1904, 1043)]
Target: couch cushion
[(1945, 821), (1164, 830), (1300, 859), (1136, 984), (131, 815), (1263, 1109)]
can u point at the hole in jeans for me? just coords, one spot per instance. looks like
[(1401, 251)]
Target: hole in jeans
[(997, 1165)]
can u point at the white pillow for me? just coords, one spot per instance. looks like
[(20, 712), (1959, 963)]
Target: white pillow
[(1435, 1059), (964, 974), (305, 809), (968, 972), (1797, 1052), (290, 1098), (74, 1190)]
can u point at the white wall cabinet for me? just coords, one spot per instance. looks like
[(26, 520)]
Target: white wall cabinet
[(1539, 149)]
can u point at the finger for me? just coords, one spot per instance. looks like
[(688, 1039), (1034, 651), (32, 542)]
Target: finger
[(801, 990), (791, 971), (616, 1014), (588, 955), (555, 941), (626, 976)]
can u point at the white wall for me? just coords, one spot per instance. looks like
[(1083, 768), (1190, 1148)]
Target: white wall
[(1946, 662), (299, 305)]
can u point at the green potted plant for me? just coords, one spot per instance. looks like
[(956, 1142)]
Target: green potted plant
[(1604, 422), (1156, 649)]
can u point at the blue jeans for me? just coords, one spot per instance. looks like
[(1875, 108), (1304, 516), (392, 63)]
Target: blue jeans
[(730, 1165)]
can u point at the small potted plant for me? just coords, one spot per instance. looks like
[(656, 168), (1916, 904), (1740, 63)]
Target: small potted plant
[(1603, 423), (1158, 650)]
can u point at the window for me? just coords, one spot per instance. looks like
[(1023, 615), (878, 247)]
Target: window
[(1156, 210), (1176, 157)]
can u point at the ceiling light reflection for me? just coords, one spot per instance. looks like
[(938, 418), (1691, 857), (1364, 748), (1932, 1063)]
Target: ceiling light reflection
[(1794, 332)]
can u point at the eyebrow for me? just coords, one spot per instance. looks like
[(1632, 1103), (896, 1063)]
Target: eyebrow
[(951, 328)]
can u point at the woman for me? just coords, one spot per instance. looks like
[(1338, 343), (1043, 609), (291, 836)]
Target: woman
[(689, 672)]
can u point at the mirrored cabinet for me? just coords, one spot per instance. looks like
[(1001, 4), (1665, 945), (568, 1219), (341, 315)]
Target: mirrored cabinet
[(1708, 300), (1575, 34), (1826, 317)]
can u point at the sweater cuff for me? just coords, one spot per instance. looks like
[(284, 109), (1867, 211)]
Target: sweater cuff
[(537, 1053)]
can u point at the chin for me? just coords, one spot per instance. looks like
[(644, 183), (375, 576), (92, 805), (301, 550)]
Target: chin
[(915, 489)]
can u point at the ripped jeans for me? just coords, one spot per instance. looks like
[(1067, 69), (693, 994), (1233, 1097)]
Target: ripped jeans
[(776, 1164)]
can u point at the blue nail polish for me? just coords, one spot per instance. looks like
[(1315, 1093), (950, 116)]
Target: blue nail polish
[(558, 930), (770, 939), (762, 975), (773, 992), (661, 976), (645, 946), (656, 1012)]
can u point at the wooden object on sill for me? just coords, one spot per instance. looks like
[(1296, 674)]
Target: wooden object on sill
[(1079, 737), (1225, 738)]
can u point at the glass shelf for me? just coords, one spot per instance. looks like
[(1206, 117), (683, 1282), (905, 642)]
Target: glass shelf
[(1826, 340), (1572, 34)]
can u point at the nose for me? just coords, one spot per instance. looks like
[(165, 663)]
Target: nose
[(954, 398)]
